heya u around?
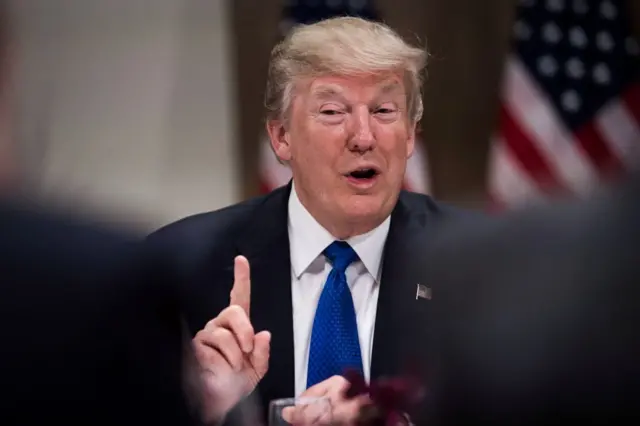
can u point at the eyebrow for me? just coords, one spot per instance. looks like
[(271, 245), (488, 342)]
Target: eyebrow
[(326, 92), (390, 87), (393, 88), (333, 91)]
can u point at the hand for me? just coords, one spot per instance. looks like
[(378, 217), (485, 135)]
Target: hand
[(233, 358), (343, 412)]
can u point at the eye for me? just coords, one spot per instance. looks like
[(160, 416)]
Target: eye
[(386, 113), (330, 111), (385, 109)]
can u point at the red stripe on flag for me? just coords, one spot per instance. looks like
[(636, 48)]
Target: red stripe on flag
[(631, 97), (600, 154), (527, 154)]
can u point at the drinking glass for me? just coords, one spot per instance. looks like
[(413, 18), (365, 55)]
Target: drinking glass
[(303, 410)]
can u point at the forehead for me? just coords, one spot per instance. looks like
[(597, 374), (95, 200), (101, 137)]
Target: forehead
[(366, 85)]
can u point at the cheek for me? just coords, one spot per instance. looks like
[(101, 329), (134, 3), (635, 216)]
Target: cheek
[(336, 133), (321, 142), (394, 142)]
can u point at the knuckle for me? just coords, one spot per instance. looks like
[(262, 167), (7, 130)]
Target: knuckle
[(339, 379), (200, 352), (224, 314), (206, 356), (235, 311), (221, 336), (340, 384), (213, 324), (200, 337), (240, 322)]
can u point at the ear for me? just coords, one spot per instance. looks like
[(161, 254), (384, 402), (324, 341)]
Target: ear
[(411, 139), (279, 138)]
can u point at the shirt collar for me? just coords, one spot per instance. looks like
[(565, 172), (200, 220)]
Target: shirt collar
[(308, 239)]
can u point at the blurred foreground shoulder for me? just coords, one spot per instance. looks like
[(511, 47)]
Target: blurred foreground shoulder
[(426, 204), (85, 313), (192, 232)]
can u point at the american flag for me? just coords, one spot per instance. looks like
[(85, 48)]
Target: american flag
[(570, 102), (274, 174)]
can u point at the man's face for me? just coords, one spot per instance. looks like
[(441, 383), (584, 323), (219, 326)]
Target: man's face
[(347, 142)]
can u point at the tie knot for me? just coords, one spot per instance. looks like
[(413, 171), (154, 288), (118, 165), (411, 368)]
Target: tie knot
[(340, 254)]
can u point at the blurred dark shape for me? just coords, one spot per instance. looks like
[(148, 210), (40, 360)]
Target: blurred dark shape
[(390, 398), (538, 315), (90, 332)]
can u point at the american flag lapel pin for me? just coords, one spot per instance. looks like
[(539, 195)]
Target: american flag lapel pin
[(423, 292)]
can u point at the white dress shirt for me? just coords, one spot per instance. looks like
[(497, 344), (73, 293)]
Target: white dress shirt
[(309, 271)]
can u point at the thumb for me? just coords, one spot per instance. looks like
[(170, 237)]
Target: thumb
[(259, 357)]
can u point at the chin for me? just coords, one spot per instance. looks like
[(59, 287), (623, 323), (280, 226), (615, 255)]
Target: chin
[(363, 207)]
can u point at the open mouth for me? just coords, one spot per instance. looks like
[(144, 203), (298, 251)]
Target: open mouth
[(363, 175)]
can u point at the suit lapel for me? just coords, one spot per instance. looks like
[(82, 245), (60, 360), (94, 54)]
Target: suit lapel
[(266, 245), (400, 317)]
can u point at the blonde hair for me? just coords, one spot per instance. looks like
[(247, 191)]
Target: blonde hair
[(343, 46)]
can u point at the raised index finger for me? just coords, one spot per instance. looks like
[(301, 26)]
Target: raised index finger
[(241, 291)]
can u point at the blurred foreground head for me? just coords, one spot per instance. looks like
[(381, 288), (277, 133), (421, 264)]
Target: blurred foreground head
[(538, 314), (90, 332), (90, 323)]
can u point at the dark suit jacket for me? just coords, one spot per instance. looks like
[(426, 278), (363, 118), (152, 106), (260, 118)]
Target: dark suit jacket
[(203, 248), (538, 315), (90, 334)]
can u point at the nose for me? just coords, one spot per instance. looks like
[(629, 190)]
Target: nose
[(362, 138)]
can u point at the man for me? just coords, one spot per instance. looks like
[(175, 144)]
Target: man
[(537, 322), (324, 270)]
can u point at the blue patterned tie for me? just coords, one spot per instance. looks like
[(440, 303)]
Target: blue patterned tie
[(334, 337)]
